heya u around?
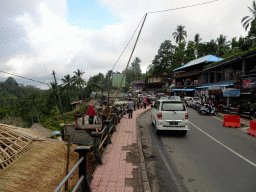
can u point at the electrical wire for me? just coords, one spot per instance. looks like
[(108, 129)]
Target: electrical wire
[(185, 7), (128, 42), (24, 77)]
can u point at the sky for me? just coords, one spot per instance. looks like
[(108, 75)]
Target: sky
[(39, 36)]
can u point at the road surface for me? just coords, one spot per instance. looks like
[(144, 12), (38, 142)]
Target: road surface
[(209, 158)]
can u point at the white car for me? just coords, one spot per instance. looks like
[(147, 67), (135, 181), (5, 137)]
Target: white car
[(175, 98), (170, 115), (193, 100)]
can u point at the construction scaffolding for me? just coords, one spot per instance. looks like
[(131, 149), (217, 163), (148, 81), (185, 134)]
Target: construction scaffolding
[(14, 142)]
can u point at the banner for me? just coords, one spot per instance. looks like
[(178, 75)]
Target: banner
[(117, 78), (231, 93), (249, 82)]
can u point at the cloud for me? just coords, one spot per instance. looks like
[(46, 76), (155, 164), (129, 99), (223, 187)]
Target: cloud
[(36, 37)]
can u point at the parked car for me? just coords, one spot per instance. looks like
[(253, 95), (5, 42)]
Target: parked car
[(170, 115), (193, 100), (175, 98), (153, 98)]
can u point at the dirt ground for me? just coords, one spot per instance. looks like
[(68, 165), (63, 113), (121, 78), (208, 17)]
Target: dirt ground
[(42, 168)]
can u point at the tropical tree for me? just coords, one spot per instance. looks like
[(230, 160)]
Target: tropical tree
[(222, 44), (78, 80), (247, 20), (179, 34), (67, 84), (197, 39), (135, 67)]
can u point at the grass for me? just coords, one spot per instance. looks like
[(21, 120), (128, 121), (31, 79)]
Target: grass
[(53, 124)]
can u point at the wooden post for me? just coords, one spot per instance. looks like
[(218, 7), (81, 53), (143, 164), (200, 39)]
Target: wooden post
[(83, 116), (76, 125), (83, 150), (107, 122), (96, 144)]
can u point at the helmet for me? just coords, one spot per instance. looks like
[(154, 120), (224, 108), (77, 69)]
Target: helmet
[(105, 102)]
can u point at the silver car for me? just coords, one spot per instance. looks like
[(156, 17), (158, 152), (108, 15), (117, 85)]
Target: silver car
[(170, 115)]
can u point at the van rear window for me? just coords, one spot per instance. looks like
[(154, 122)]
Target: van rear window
[(171, 106)]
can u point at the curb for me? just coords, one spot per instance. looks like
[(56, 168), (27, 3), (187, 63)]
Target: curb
[(144, 173)]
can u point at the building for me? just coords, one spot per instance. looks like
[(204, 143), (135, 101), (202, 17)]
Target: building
[(189, 76), (158, 82), (237, 73), (137, 85)]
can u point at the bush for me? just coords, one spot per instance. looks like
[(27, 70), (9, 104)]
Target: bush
[(253, 106)]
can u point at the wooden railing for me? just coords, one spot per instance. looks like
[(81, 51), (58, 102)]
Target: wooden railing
[(99, 139)]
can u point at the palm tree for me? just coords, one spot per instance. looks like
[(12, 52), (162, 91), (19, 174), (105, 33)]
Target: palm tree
[(197, 39), (221, 42), (249, 19), (67, 82), (54, 93), (179, 34), (78, 81)]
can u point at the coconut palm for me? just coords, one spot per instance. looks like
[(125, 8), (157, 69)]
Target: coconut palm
[(179, 34), (249, 19), (197, 39), (221, 42), (78, 80), (67, 84)]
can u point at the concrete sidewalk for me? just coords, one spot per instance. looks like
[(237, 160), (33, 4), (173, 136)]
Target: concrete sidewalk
[(121, 169)]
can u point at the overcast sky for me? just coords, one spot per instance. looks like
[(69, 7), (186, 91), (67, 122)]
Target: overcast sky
[(39, 36)]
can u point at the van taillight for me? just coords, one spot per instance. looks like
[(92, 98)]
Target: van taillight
[(186, 116), (159, 115)]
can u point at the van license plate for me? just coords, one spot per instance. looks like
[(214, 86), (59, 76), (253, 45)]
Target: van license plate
[(173, 123)]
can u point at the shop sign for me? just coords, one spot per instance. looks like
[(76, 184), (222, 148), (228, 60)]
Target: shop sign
[(249, 82)]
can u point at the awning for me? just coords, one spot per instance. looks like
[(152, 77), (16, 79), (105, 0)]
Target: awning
[(183, 89), (215, 85)]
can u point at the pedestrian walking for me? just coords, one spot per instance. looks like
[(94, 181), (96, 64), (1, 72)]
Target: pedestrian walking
[(138, 103), (145, 102), (104, 112), (91, 112), (130, 105)]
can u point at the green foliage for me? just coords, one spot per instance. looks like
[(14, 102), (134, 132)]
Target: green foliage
[(16, 121), (253, 106)]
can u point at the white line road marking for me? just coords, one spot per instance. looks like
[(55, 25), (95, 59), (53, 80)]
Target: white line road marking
[(245, 128), (218, 118), (248, 161)]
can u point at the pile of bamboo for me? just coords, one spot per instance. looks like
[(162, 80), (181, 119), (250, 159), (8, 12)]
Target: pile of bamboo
[(14, 142)]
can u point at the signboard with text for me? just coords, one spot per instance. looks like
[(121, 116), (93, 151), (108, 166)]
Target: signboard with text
[(117, 78), (249, 82)]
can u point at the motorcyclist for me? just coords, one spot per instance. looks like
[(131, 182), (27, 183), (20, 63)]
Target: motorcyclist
[(208, 106)]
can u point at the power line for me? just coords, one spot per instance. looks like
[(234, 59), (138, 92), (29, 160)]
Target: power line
[(128, 42), (185, 6), (24, 77)]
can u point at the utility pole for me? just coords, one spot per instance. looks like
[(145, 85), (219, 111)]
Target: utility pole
[(63, 131), (108, 89)]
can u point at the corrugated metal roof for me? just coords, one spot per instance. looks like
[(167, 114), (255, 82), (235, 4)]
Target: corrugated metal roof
[(209, 58)]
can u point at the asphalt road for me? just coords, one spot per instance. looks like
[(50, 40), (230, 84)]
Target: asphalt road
[(209, 158)]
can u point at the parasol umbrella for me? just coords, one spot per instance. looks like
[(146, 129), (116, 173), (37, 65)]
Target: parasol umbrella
[(55, 133)]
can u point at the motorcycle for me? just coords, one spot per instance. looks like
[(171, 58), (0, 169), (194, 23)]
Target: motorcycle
[(230, 110), (205, 111)]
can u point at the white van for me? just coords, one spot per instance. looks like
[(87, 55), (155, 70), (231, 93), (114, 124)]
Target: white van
[(170, 115)]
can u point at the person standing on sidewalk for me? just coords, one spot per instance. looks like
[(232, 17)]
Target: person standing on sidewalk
[(138, 103), (104, 112), (130, 108), (91, 112), (145, 102)]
